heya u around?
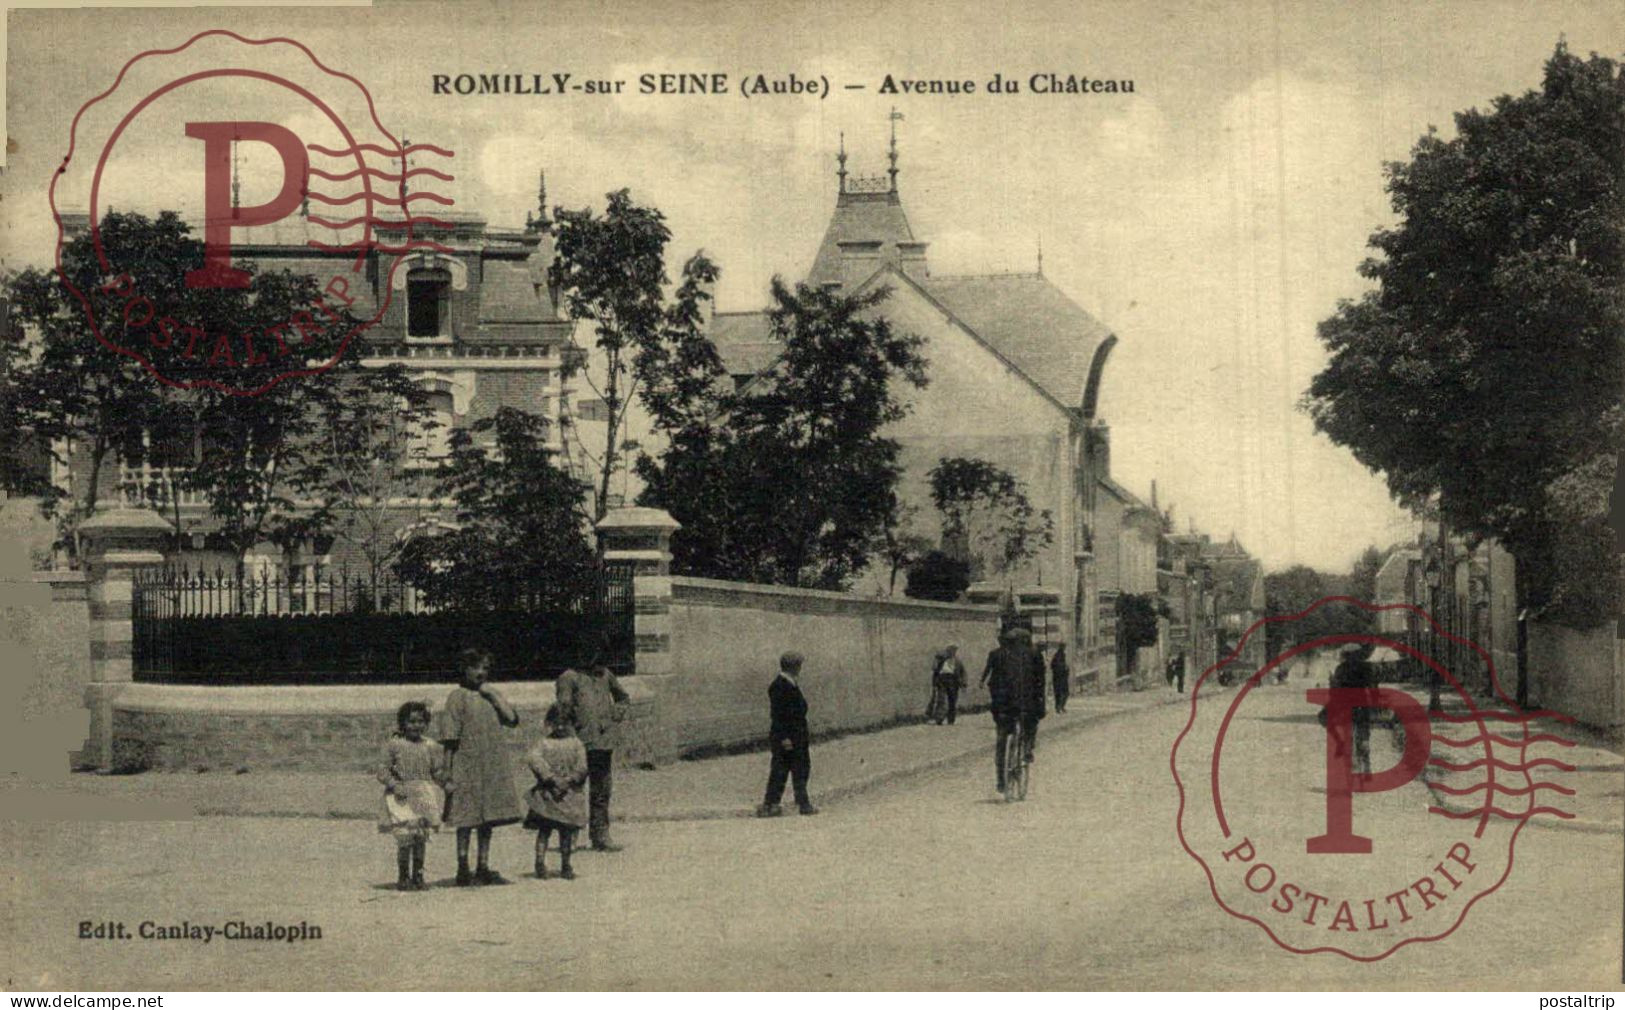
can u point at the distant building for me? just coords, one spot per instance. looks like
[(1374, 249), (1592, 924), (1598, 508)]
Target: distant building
[(1238, 600)]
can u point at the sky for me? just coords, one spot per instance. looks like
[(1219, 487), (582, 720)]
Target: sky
[(1210, 219)]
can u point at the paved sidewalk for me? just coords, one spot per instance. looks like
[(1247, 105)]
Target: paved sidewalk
[(1586, 761), (718, 787)]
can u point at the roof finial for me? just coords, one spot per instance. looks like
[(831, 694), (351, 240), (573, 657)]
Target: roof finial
[(406, 170), (539, 222), (1040, 252), (892, 154), (236, 179), (840, 173)]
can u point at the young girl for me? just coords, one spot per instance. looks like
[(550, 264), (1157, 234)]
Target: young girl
[(482, 794), (414, 776), (557, 802)]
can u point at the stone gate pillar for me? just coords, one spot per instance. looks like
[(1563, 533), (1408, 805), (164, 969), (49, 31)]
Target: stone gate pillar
[(117, 541), (641, 537)]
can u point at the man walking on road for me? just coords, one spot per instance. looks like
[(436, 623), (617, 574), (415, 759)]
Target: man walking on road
[(592, 703), (1014, 676), (790, 739), (947, 677)]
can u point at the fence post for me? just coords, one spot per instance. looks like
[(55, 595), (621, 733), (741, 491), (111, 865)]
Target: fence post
[(641, 537), (117, 542)]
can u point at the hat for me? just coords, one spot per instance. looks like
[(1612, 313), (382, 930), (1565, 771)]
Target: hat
[(791, 660)]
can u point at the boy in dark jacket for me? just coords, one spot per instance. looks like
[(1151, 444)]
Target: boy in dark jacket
[(789, 738)]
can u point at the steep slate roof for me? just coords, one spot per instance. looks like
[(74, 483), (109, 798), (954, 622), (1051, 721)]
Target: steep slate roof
[(1122, 493), (744, 342), (860, 217), (1031, 322), (1234, 579), (508, 294)]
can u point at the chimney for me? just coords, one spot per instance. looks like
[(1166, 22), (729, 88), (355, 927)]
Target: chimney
[(1100, 449), (859, 261), (911, 259)]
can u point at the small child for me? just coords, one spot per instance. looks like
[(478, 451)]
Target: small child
[(558, 800), (414, 777)]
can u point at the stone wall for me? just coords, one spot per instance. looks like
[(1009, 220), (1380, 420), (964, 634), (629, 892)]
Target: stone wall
[(45, 640), (1578, 673), (868, 661), (168, 727)]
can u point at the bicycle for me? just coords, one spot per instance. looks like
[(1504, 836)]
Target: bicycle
[(1018, 770)]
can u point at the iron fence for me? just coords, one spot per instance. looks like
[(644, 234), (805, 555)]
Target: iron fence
[(276, 627)]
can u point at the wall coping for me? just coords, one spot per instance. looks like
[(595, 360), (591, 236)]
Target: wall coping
[(325, 699), (747, 589)]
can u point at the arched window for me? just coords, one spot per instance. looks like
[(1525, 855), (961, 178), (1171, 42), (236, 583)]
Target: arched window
[(432, 442)]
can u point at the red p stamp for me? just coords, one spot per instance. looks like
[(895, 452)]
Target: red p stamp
[(1308, 793), (303, 200)]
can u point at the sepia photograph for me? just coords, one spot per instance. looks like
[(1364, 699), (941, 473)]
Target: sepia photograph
[(892, 496)]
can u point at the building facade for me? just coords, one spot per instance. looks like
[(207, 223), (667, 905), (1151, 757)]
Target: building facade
[(473, 323), (1015, 369)]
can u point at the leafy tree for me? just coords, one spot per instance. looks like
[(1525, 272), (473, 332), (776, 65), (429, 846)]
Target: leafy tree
[(937, 576), (1362, 582), (1485, 367), (898, 546), (985, 508), (67, 390), (517, 537), (787, 480), (1137, 621), (611, 273), (258, 460), (24, 469), (371, 475)]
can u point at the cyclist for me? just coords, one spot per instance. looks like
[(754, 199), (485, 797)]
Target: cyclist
[(1014, 676)]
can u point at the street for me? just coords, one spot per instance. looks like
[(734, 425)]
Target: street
[(929, 883)]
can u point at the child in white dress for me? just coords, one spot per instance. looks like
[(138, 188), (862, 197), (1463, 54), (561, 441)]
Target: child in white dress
[(414, 776), (558, 802)]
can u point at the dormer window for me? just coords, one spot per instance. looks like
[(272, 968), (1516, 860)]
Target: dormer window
[(428, 304)]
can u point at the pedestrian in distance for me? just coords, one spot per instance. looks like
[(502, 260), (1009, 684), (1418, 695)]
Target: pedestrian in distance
[(413, 772), (1060, 677), (789, 738), (593, 703), (483, 796), (947, 678), (1176, 671), (558, 801)]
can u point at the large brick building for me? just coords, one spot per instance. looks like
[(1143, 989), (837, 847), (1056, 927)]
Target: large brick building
[(473, 323)]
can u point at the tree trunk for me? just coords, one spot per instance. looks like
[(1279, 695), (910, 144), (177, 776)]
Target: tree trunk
[(612, 397)]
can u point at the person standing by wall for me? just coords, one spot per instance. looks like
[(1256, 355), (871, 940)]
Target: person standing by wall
[(593, 704), (1061, 677), (790, 739), (947, 677)]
